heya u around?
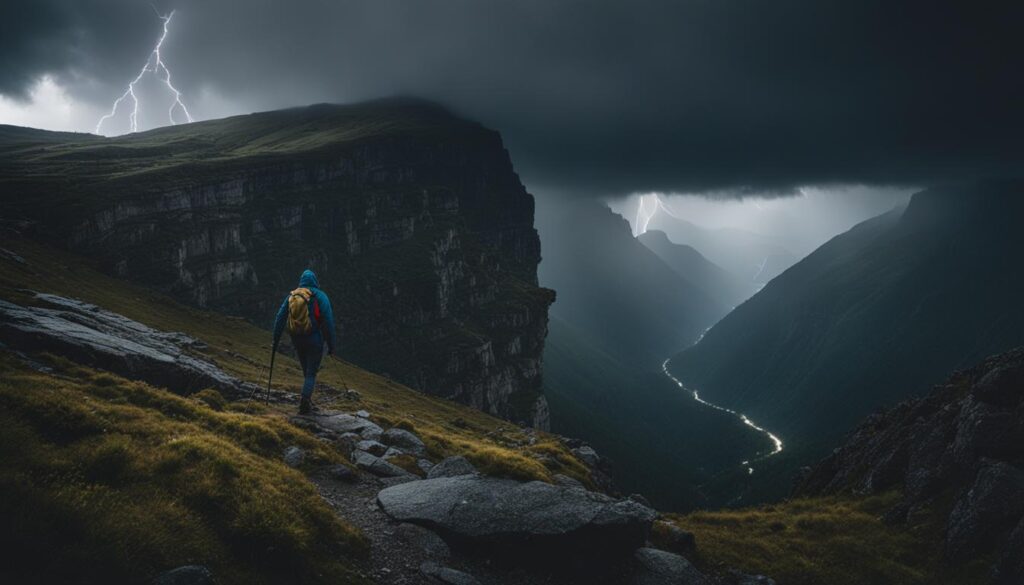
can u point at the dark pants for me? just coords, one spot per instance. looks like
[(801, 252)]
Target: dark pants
[(311, 350)]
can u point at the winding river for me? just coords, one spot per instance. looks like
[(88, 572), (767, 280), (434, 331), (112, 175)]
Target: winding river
[(776, 441)]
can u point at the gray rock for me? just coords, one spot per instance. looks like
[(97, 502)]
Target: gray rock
[(392, 452), (342, 473), (377, 466), (657, 567), (294, 456), (641, 499), (425, 464), (372, 432), (436, 573), (566, 481), (372, 447), (587, 455), (987, 512), (405, 441), (362, 414), (186, 575), (503, 511), (426, 540), (87, 334), (342, 423), (451, 467)]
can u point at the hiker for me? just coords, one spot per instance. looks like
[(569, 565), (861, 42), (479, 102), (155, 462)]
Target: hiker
[(306, 312)]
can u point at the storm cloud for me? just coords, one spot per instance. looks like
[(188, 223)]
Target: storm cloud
[(598, 98)]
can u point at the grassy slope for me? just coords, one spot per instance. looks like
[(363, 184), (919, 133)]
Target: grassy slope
[(833, 540), (233, 455)]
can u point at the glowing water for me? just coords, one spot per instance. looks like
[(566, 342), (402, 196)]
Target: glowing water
[(776, 441)]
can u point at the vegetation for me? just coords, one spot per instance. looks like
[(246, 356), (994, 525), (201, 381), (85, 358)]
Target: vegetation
[(109, 479), (831, 540)]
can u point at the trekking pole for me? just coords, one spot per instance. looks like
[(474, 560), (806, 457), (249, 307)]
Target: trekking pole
[(270, 374), (256, 388)]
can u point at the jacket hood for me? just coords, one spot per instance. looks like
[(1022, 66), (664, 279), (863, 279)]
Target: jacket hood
[(308, 279)]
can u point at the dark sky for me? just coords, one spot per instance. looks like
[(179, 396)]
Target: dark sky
[(592, 97)]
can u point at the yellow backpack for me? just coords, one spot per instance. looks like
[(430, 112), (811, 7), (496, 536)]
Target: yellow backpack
[(298, 312)]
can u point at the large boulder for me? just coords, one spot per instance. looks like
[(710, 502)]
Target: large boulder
[(99, 338), (503, 514), (441, 575)]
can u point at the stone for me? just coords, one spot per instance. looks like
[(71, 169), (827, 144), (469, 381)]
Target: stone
[(342, 423), (426, 540), (587, 455), (392, 452), (294, 456), (362, 414), (425, 465), (495, 512), (451, 467), (436, 573), (641, 499), (372, 447), (987, 512), (186, 575), (399, 479), (377, 466), (404, 440), (658, 567), (87, 334), (342, 473), (371, 433)]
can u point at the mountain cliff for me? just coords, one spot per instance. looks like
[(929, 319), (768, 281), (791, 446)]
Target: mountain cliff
[(872, 316), (414, 219), (956, 454)]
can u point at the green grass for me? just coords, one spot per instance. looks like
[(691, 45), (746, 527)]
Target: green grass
[(114, 479), (111, 480), (833, 540)]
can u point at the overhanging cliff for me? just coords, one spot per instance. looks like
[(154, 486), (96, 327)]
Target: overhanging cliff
[(414, 219)]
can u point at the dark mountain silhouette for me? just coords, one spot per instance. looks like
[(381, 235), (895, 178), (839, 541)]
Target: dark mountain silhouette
[(877, 313)]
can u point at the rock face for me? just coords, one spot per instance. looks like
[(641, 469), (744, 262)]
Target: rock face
[(507, 515), (88, 334), (414, 220), (965, 440)]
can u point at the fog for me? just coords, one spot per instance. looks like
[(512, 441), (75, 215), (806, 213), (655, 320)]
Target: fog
[(799, 223)]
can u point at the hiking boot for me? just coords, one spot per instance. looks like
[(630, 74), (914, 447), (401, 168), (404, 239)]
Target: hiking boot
[(307, 406)]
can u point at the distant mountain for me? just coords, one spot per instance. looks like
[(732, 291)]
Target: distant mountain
[(716, 282), (877, 313), (614, 290), (752, 257)]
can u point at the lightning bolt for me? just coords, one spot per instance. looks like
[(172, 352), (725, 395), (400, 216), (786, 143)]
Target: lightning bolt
[(645, 215), (154, 64)]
